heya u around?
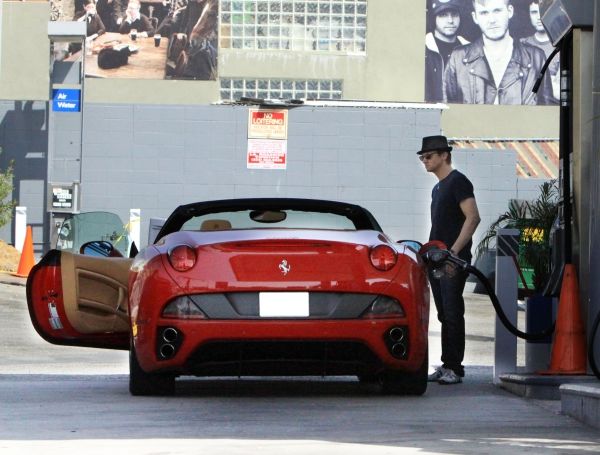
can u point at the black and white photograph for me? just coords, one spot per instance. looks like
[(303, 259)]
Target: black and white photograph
[(488, 52), (143, 39)]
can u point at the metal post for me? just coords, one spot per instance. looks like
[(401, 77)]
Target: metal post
[(505, 346), (20, 227), (594, 214), (134, 226)]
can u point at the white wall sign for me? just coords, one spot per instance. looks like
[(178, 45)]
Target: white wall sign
[(266, 154)]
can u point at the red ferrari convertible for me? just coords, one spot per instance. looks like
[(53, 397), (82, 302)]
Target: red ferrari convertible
[(246, 287)]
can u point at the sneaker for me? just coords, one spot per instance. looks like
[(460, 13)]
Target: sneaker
[(449, 377), (436, 375)]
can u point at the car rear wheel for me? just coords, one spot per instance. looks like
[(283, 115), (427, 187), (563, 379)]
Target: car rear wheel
[(368, 378), (142, 383), (402, 383)]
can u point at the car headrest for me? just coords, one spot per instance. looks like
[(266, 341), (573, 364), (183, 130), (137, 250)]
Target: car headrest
[(215, 225)]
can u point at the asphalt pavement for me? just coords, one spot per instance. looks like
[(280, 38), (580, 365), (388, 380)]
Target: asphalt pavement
[(66, 400)]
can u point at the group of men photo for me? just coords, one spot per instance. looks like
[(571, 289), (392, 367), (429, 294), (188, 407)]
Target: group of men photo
[(488, 52)]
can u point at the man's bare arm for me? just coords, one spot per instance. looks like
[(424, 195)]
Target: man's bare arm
[(472, 219)]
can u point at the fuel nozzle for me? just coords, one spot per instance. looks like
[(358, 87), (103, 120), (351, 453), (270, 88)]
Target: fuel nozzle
[(441, 260)]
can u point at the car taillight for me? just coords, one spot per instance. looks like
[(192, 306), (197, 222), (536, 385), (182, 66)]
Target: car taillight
[(182, 258), (384, 307), (383, 257), (184, 308)]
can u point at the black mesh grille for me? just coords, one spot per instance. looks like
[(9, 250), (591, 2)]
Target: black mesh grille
[(245, 305), (286, 358)]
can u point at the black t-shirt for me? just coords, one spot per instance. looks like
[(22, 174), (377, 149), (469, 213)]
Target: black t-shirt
[(446, 48), (447, 218)]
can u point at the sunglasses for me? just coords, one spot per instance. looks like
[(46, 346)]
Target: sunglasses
[(426, 156)]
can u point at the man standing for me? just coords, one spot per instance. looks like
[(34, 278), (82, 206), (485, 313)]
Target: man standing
[(439, 44), (541, 39), (495, 69), (454, 218)]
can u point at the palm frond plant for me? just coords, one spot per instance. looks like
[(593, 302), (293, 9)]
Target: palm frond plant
[(534, 220)]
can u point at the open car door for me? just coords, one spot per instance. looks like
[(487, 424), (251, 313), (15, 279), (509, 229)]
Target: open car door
[(80, 300)]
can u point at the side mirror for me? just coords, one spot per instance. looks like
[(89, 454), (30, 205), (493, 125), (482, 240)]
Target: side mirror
[(99, 248), (414, 244)]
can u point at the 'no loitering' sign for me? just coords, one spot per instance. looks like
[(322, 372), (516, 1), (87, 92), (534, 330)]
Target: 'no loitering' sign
[(267, 139), (267, 123)]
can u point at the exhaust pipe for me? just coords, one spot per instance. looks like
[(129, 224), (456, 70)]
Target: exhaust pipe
[(396, 334), (167, 351), (398, 350), (170, 335)]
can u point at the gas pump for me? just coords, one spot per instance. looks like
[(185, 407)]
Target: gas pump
[(65, 114), (438, 258), (569, 25)]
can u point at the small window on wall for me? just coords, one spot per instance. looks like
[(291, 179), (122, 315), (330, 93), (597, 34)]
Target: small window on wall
[(295, 25), (284, 89)]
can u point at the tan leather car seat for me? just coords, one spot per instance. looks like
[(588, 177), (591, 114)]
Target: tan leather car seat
[(215, 225)]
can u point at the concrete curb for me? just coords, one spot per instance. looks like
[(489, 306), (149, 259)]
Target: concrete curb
[(582, 402), (9, 278), (541, 387)]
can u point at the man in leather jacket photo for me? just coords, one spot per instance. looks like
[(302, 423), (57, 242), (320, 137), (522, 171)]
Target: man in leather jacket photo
[(445, 16), (495, 69)]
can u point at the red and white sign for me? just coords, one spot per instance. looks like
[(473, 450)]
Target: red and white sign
[(266, 154), (267, 123)]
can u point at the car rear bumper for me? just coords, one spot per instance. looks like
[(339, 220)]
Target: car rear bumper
[(280, 347)]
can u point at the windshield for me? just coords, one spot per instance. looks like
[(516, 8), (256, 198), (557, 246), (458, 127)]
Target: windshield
[(265, 213), (86, 227), (265, 219)]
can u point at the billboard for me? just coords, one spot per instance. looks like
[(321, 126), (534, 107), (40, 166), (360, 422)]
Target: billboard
[(488, 52), (143, 39)]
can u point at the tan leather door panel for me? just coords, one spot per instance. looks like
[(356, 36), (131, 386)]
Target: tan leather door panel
[(95, 292)]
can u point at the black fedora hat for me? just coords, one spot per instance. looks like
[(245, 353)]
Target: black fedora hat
[(434, 144)]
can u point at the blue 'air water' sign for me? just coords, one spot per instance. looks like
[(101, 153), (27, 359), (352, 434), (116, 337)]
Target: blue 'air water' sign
[(66, 100)]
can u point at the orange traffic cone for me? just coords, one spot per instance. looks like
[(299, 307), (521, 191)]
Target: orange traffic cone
[(568, 349), (27, 260)]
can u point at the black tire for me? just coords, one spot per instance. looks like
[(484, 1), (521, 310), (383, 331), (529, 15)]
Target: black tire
[(368, 378), (143, 384), (402, 383)]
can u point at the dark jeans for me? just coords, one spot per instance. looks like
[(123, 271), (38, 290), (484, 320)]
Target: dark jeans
[(447, 293)]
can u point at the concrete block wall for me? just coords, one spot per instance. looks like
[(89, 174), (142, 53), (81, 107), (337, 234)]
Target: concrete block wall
[(157, 157), (24, 142)]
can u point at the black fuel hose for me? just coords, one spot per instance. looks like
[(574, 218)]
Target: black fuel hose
[(500, 312), (437, 257), (534, 336)]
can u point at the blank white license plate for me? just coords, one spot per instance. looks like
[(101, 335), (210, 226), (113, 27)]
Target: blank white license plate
[(283, 304)]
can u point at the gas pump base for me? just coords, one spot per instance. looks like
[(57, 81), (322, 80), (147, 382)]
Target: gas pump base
[(546, 387), (582, 402)]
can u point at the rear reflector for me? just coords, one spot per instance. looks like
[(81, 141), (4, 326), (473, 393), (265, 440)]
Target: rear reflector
[(384, 307), (383, 257), (183, 307)]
